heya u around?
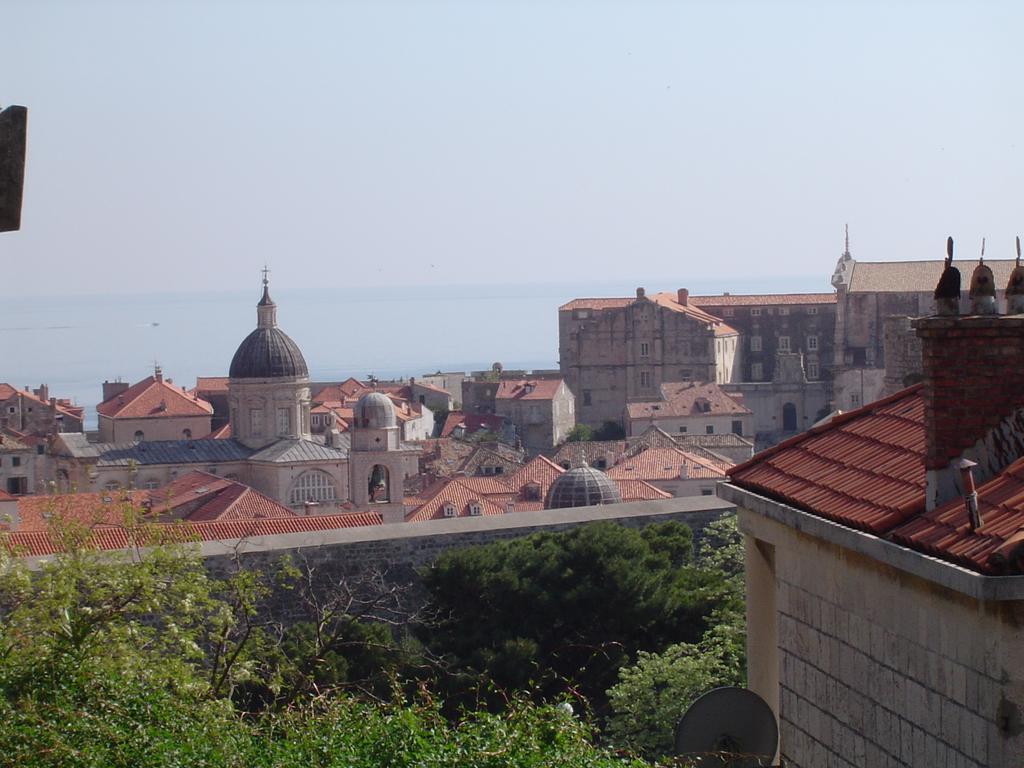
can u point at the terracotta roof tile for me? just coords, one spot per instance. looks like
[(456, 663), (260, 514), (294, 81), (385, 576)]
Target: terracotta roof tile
[(687, 398), (666, 300), (864, 468), (211, 385), (640, 490), (527, 389), (665, 464), (916, 276), (472, 422), (153, 398), (995, 547), (38, 543), (461, 496)]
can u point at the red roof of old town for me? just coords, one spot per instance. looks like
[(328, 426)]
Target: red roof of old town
[(527, 389), (683, 398), (667, 300), (153, 397), (473, 422), (665, 464), (39, 543), (864, 469), (62, 404)]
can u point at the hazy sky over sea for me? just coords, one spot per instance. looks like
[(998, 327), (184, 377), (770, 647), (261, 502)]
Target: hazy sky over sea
[(178, 146)]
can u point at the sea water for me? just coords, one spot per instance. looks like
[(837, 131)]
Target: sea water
[(74, 343)]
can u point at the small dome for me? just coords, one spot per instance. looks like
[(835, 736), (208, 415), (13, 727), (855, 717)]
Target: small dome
[(374, 410), (267, 353), (582, 487)]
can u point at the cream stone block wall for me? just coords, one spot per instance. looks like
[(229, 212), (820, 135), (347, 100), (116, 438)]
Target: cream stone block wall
[(155, 428), (872, 666)]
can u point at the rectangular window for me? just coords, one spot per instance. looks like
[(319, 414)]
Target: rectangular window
[(682, 430), (15, 461), (645, 379), (726, 311), (710, 429), (707, 491), (783, 310), (284, 421), (645, 349), (812, 369), (586, 397), (755, 343), (783, 343), (756, 371), (256, 422), (812, 310), (737, 428), (40, 449), (755, 311), (812, 343), (855, 399)]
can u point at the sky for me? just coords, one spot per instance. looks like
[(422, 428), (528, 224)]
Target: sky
[(179, 146)]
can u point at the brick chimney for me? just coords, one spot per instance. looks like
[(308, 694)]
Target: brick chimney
[(973, 369), (683, 296), (112, 388)]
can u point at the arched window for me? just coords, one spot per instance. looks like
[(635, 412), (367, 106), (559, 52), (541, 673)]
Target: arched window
[(186, 434), (789, 418), (379, 485), (139, 435), (313, 485)]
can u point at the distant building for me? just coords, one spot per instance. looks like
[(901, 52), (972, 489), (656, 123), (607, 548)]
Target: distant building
[(34, 412), (23, 463), (672, 470), (867, 294), (151, 409), (543, 411), (620, 350), (690, 408)]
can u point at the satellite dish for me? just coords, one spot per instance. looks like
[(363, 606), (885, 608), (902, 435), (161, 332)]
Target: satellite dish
[(728, 727)]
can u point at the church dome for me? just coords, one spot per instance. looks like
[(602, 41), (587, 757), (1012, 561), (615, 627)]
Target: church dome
[(374, 410), (582, 487), (267, 352)]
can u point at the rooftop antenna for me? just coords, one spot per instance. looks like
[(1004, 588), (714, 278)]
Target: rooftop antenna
[(728, 727), (981, 259), (1018, 250)]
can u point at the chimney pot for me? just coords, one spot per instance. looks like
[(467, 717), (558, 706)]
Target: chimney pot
[(683, 296), (639, 293)]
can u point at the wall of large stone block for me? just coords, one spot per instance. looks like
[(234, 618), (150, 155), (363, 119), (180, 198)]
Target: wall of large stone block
[(879, 668), (401, 558)]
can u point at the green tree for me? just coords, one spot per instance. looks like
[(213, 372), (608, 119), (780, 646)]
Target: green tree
[(560, 612), (610, 430), (580, 433), (652, 694)]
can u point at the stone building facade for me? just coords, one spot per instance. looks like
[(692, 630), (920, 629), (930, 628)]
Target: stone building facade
[(615, 351), (35, 412), (151, 409), (543, 411), (781, 323)]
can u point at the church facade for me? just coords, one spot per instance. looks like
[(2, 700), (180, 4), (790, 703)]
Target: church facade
[(271, 447)]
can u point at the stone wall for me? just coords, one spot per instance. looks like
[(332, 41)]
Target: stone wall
[(871, 665), (902, 355), (400, 550)]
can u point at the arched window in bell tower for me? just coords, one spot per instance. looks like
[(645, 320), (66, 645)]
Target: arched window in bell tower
[(379, 485)]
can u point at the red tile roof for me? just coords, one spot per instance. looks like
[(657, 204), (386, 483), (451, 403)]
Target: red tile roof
[(655, 464), (461, 496), (528, 389), (995, 547), (153, 397), (199, 496), (685, 398), (106, 508), (5, 496), (472, 422), (38, 543), (864, 469), (764, 299), (667, 300), (640, 490)]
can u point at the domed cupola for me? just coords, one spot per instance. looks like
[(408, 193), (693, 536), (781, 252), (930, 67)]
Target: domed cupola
[(267, 352), (582, 487), (374, 410), (268, 383)]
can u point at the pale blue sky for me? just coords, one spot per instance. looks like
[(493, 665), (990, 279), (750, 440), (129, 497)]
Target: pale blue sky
[(178, 146)]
